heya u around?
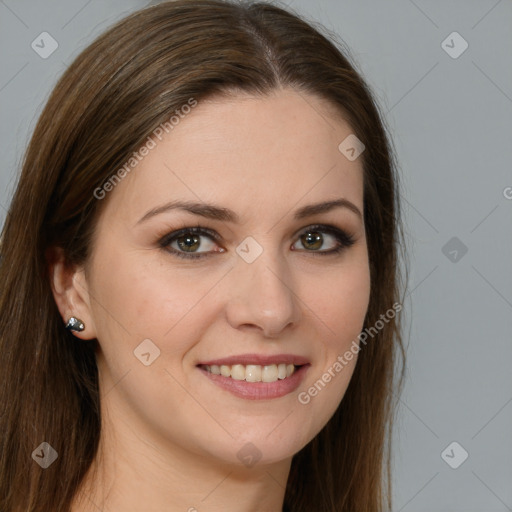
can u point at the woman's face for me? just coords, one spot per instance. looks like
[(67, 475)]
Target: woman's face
[(259, 281)]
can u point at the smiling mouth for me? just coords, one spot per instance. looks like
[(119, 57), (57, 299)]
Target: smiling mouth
[(253, 372)]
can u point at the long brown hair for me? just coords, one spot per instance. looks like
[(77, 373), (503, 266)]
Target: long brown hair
[(115, 93)]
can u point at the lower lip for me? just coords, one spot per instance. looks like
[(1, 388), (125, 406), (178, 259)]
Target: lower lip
[(259, 390)]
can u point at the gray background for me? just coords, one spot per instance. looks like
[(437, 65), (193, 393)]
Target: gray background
[(451, 119)]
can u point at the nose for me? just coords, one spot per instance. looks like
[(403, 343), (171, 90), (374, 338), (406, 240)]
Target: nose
[(262, 296)]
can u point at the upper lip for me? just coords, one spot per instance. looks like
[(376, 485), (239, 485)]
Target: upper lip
[(258, 359)]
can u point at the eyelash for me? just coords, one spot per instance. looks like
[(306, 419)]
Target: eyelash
[(344, 239)]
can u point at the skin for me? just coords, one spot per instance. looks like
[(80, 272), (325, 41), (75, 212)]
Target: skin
[(169, 436)]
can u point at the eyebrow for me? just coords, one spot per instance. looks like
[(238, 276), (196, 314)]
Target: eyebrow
[(214, 212)]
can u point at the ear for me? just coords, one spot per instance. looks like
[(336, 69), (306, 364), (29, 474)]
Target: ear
[(70, 291)]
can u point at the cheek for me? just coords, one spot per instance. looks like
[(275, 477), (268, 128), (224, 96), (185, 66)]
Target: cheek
[(342, 301), (341, 307), (138, 298), (148, 300)]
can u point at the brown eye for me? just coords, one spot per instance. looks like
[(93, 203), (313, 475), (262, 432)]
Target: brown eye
[(188, 243), (324, 240), (312, 240), (191, 242)]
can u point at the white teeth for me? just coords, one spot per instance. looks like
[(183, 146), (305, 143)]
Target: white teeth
[(269, 373), (253, 372), (238, 372)]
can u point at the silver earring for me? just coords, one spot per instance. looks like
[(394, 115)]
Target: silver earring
[(75, 324)]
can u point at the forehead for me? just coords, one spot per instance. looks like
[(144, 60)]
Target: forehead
[(248, 153)]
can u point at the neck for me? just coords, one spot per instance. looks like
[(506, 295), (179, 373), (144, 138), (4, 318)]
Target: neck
[(134, 471)]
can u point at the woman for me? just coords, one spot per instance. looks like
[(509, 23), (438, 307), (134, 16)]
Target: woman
[(200, 275)]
